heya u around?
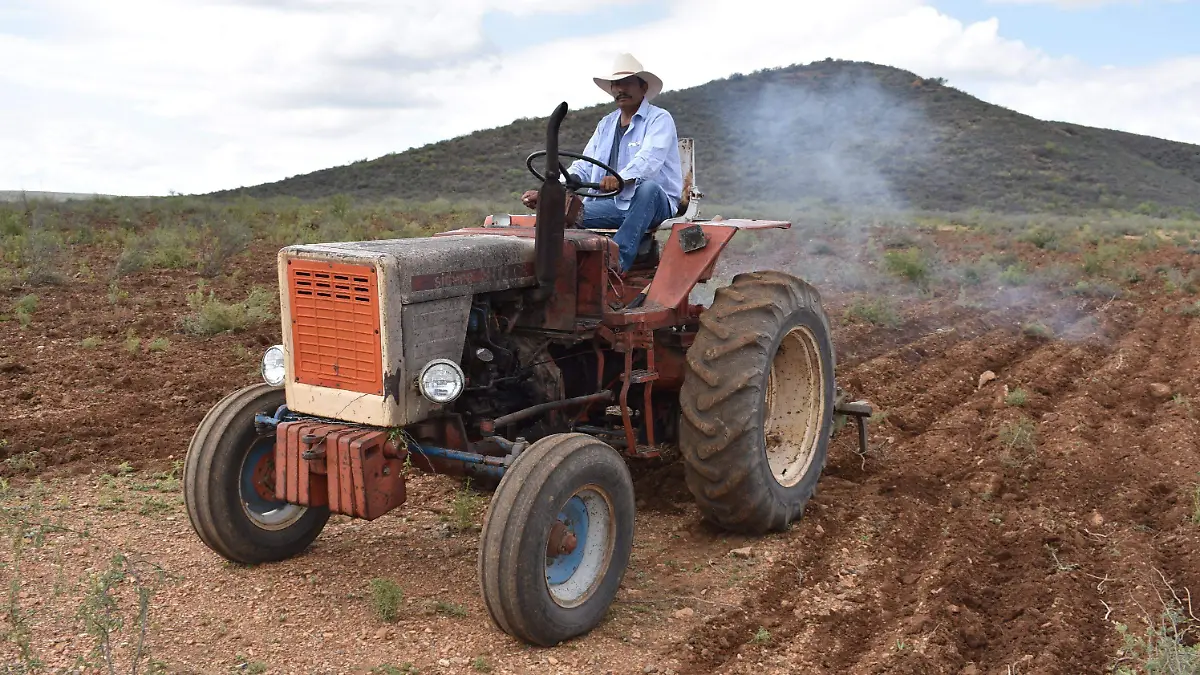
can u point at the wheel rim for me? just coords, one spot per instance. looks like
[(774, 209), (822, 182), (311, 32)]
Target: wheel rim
[(257, 486), (576, 568), (795, 406)]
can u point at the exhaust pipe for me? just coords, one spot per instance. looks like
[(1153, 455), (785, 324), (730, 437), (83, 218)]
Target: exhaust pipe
[(551, 212)]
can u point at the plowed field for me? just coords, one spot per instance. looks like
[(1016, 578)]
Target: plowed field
[(1012, 522)]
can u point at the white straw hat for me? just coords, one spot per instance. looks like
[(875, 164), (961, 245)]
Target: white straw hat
[(624, 66)]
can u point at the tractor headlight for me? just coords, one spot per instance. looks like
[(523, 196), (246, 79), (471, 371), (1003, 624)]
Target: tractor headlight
[(441, 381), (273, 366)]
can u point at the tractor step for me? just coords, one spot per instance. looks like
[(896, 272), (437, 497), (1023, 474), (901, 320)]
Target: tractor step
[(641, 376)]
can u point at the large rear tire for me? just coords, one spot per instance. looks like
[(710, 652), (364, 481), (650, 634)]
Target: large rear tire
[(530, 593), (758, 402), (228, 483)]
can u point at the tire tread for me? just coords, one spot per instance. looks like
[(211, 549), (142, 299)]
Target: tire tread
[(720, 401)]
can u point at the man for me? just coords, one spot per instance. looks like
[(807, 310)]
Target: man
[(639, 141)]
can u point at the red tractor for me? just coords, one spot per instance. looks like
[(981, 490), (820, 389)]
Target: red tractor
[(515, 353)]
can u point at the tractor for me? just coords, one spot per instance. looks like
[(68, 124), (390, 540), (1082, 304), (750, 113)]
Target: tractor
[(516, 353)]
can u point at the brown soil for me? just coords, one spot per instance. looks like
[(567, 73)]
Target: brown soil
[(950, 547)]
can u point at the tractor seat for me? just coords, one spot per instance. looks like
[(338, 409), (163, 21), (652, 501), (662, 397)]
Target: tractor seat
[(647, 255)]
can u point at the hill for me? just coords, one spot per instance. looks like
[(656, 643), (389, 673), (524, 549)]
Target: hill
[(830, 131), (20, 195)]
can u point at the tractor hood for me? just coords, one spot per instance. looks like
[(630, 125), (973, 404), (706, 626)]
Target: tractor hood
[(361, 319), (438, 267)]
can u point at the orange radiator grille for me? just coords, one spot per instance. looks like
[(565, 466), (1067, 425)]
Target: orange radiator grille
[(335, 325)]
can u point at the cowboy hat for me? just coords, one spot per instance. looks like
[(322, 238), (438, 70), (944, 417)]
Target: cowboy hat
[(624, 66)]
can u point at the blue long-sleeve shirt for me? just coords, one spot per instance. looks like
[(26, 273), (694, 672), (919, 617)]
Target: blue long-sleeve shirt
[(649, 150)]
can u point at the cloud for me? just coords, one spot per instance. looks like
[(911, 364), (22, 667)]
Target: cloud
[(1081, 4), (145, 96), (1158, 100)]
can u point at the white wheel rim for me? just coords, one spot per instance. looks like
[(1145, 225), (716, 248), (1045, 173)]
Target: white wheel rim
[(795, 406), (590, 560)]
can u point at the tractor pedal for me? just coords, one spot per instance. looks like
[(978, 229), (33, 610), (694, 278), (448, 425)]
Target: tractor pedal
[(641, 376)]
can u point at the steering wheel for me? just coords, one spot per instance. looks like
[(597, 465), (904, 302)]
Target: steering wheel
[(573, 183)]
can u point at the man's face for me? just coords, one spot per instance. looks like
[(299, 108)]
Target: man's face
[(628, 93)]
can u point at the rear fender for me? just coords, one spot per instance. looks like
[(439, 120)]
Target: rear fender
[(679, 270)]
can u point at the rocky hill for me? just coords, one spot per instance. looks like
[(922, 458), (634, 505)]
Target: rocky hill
[(830, 131)]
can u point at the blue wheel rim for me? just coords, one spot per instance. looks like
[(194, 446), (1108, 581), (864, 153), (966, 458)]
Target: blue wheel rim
[(264, 513), (572, 578), (561, 568)]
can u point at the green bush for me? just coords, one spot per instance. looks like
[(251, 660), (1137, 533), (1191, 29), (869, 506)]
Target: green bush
[(877, 311), (1014, 275), (386, 596), (1040, 237), (211, 316), (909, 264)]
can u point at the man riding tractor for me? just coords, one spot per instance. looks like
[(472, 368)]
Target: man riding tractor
[(640, 141), (542, 357)]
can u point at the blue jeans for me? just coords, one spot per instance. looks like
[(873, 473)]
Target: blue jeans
[(648, 208)]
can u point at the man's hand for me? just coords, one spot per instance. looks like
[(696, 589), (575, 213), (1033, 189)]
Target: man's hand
[(609, 183), (530, 198)]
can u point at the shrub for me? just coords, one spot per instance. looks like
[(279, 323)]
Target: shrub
[(24, 309), (1014, 275), (1163, 647), (1039, 236), (211, 316), (450, 609), (909, 264), (1020, 435), (1017, 397), (224, 239), (386, 596), (979, 271), (876, 311), (43, 254), (162, 248), (1038, 329)]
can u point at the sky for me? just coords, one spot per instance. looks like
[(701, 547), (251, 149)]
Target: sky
[(150, 97)]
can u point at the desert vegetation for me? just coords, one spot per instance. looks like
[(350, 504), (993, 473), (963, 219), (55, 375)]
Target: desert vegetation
[(1029, 500)]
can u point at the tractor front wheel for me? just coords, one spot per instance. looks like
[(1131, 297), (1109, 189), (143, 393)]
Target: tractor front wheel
[(556, 539), (757, 402), (228, 484)]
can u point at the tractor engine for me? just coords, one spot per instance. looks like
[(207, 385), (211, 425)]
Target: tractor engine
[(506, 371)]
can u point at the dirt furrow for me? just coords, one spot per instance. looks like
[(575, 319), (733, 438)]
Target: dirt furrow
[(926, 328), (932, 627)]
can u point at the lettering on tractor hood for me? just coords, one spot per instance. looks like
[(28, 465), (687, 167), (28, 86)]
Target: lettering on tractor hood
[(471, 277)]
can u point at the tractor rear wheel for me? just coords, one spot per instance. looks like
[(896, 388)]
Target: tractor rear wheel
[(228, 484), (556, 539), (757, 402)]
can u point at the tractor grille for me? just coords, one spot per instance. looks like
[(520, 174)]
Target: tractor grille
[(335, 325)]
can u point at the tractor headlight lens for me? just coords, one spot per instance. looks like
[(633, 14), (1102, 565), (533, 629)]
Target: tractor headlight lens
[(442, 381), (273, 366)]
